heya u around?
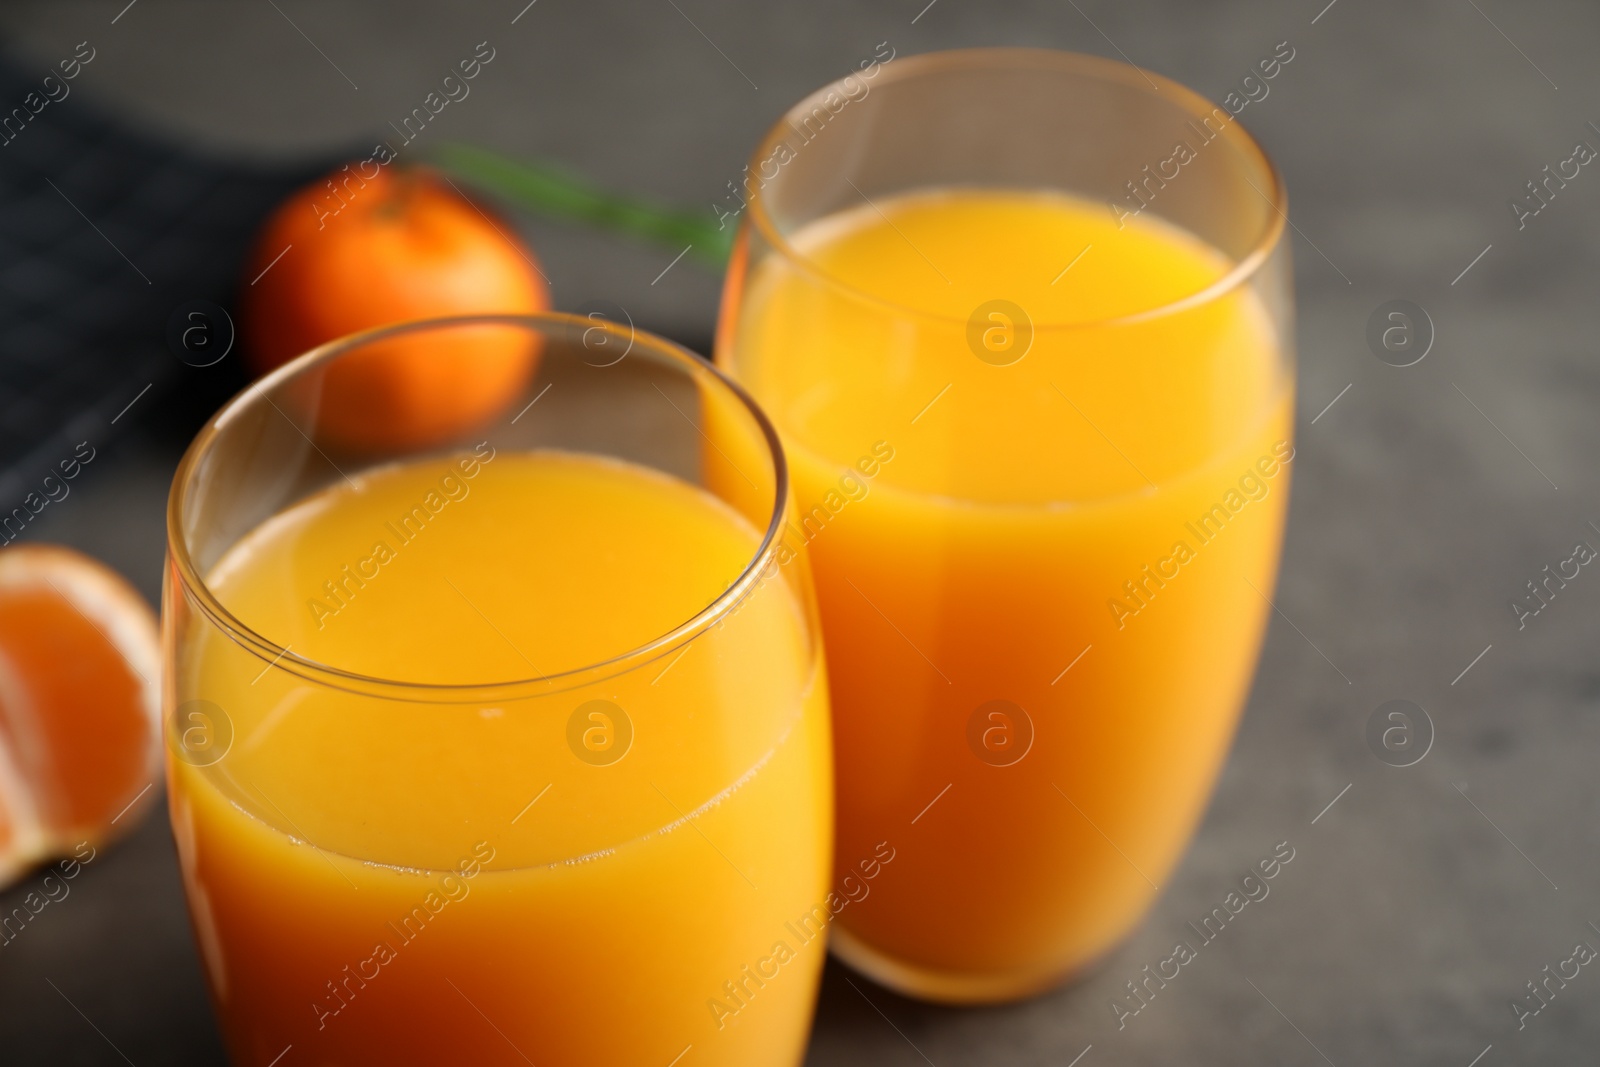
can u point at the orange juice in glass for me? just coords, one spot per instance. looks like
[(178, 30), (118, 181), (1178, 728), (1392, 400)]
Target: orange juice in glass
[(1037, 400), (510, 749)]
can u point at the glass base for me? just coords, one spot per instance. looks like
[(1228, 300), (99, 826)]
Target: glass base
[(944, 987)]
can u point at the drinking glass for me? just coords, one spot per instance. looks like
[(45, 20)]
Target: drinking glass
[(415, 831), (1023, 319)]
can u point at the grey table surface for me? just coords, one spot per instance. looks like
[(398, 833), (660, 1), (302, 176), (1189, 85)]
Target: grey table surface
[(1420, 903)]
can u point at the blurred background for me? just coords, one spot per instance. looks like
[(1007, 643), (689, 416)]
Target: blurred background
[(1421, 899)]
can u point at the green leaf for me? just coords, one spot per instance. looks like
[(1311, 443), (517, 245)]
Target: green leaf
[(554, 193)]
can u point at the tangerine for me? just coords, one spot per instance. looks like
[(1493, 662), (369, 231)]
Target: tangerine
[(339, 258)]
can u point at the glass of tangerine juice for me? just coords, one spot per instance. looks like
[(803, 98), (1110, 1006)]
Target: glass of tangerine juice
[(1023, 319), (506, 746)]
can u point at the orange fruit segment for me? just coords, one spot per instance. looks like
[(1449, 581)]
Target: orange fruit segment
[(80, 726)]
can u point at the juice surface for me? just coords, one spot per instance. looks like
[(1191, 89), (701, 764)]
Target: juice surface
[(1042, 555), (1095, 408), (380, 879)]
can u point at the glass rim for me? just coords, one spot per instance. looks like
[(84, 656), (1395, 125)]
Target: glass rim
[(1245, 268), (194, 586)]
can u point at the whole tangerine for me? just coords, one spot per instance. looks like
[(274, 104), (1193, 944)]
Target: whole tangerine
[(350, 253)]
